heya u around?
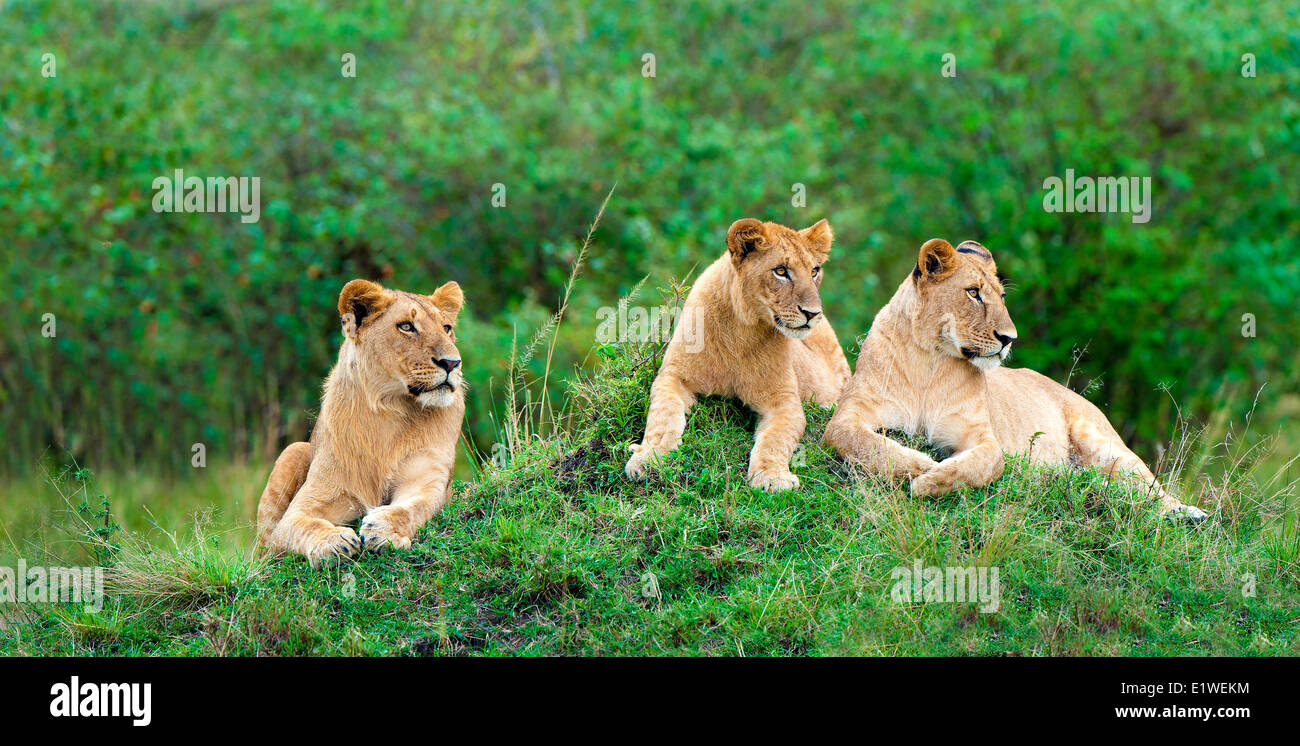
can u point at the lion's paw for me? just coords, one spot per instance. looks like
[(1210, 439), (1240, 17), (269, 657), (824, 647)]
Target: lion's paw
[(774, 480), (639, 463), (931, 484), (917, 466), (378, 533), (1185, 514), (334, 545)]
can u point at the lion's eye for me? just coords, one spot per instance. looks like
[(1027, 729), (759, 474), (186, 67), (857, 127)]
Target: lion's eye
[(973, 293), (781, 271), (816, 270), (447, 328), (406, 326)]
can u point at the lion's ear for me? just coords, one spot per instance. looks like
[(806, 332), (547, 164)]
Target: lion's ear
[(448, 298), (819, 237), (359, 301), (746, 236), (937, 259)]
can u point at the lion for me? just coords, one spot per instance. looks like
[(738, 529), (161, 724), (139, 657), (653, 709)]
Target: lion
[(753, 328), (931, 366), (384, 445)]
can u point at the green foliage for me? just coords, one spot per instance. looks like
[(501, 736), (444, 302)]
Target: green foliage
[(183, 328), (98, 526)]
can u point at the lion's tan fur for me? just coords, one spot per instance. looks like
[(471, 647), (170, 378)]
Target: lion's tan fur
[(745, 332), (931, 366), (384, 445)]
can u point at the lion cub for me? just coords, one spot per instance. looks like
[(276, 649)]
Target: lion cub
[(753, 328), (931, 366), (385, 442)]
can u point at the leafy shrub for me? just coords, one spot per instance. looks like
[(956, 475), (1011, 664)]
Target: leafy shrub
[(182, 328)]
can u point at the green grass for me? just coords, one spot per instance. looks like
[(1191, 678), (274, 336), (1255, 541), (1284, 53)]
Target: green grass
[(557, 554)]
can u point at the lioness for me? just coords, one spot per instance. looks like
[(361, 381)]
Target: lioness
[(930, 366), (753, 328), (385, 442)]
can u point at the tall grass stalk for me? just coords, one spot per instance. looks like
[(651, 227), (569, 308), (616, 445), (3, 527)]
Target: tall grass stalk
[(522, 425)]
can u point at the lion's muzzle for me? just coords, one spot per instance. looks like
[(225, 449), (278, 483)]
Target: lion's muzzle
[(436, 385), (797, 327)]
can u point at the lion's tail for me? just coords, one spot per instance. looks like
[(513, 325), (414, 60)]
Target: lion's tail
[(286, 479)]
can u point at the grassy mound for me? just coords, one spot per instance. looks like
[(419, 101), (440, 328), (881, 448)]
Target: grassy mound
[(555, 552)]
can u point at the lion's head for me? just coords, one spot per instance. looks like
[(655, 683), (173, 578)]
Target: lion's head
[(780, 272), (406, 343), (962, 307)]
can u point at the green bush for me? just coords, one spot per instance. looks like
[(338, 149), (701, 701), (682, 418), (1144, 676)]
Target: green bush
[(183, 328)]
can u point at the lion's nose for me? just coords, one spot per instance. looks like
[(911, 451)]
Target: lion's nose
[(447, 363), (809, 315), (1005, 339)]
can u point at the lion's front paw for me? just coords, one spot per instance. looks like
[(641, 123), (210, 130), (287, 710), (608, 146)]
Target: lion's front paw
[(639, 463), (333, 545), (1184, 513), (379, 533), (917, 466), (933, 483), (774, 480)]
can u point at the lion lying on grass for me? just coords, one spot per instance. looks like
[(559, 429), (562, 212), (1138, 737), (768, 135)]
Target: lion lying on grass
[(753, 328), (385, 442), (930, 366)]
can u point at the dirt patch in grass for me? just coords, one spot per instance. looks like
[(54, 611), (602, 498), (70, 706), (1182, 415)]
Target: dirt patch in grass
[(577, 471)]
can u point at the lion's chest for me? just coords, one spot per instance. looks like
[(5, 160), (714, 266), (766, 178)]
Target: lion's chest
[(941, 415), (933, 423), (376, 462)]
